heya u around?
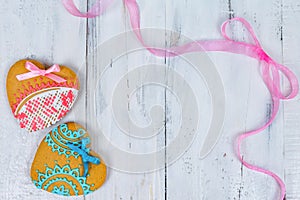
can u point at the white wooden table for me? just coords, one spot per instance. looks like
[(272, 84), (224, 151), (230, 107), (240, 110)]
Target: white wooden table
[(43, 30)]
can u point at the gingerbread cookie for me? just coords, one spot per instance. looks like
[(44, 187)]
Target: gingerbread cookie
[(40, 97), (65, 165)]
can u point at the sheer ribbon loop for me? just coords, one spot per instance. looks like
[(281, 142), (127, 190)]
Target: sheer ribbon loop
[(247, 26)]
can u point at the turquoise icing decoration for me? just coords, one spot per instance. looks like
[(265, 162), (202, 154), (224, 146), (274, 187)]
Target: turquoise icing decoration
[(69, 134), (61, 148), (45, 180), (61, 191)]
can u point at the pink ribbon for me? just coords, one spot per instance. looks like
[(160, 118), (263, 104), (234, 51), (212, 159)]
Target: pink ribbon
[(270, 69), (97, 9), (34, 71)]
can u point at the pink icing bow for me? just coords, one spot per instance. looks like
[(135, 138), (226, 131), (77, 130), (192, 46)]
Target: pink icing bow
[(35, 71)]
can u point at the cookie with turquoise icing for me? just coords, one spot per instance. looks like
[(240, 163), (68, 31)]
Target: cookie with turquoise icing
[(65, 165)]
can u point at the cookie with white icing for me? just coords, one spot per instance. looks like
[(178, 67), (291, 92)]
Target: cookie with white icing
[(39, 96)]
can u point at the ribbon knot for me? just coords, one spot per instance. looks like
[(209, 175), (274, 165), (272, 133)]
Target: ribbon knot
[(262, 55), (43, 72), (83, 151), (34, 71)]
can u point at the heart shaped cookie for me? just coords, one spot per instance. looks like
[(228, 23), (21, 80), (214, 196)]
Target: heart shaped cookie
[(65, 165), (40, 97)]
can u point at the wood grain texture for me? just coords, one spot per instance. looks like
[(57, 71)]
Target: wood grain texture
[(43, 30), (290, 17)]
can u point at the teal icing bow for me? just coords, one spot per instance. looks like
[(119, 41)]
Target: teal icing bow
[(84, 153)]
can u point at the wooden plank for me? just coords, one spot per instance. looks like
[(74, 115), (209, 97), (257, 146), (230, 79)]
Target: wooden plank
[(290, 42), (220, 175), (40, 30), (188, 177), (122, 185), (263, 148)]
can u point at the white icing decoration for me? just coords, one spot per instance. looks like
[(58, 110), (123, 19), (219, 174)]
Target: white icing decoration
[(45, 115)]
